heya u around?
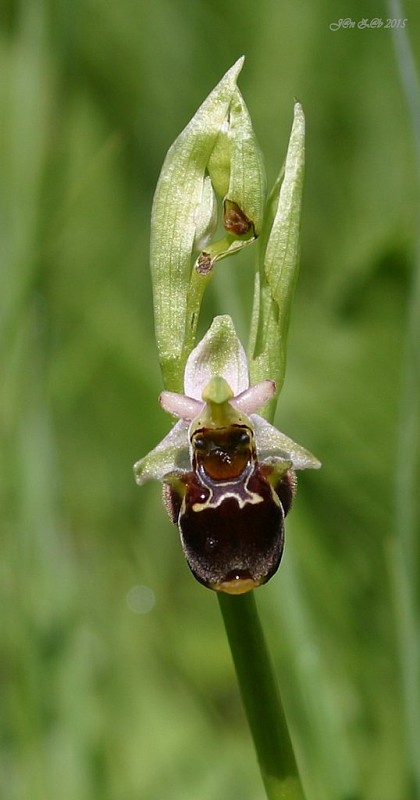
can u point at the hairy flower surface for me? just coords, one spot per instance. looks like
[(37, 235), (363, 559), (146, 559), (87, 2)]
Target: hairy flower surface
[(228, 474)]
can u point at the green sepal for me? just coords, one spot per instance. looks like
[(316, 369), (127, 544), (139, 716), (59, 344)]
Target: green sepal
[(219, 353), (173, 231), (236, 169), (172, 455), (274, 446), (237, 172), (236, 165), (278, 267), (247, 184)]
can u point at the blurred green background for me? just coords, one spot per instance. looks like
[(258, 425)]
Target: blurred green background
[(116, 679)]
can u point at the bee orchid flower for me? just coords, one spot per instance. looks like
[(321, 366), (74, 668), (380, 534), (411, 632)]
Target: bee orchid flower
[(228, 474)]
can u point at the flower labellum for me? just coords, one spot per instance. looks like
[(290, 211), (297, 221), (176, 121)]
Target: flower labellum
[(228, 474)]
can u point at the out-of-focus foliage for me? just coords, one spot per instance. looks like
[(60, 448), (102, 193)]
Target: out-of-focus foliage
[(110, 690)]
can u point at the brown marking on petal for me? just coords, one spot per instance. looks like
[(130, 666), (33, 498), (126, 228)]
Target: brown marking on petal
[(234, 219)]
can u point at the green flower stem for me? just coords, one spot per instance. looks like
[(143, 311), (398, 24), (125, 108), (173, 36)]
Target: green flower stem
[(261, 698)]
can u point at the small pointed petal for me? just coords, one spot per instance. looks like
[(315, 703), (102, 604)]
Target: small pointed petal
[(172, 454), (274, 445), (180, 405), (253, 398), (219, 354)]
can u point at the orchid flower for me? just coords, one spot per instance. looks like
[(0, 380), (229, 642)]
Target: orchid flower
[(228, 474)]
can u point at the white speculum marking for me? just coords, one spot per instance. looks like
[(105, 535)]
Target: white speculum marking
[(222, 490)]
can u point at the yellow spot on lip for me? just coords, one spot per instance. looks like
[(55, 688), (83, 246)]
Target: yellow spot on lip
[(236, 585)]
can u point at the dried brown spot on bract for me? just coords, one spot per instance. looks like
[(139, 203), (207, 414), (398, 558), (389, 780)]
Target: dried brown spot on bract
[(204, 263), (234, 219)]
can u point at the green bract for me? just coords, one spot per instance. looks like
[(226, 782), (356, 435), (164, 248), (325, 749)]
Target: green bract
[(247, 175), (278, 265)]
